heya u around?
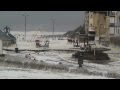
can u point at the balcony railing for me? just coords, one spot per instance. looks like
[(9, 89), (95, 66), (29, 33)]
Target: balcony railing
[(112, 24), (112, 14)]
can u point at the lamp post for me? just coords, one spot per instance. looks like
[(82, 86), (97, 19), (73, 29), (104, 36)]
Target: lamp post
[(25, 23), (16, 48), (100, 33), (53, 20)]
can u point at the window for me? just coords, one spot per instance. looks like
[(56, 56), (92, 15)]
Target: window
[(91, 16), (91, 25)]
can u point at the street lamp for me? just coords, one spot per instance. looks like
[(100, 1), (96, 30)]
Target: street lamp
[(53, 20), (25, 23), (101, 25)]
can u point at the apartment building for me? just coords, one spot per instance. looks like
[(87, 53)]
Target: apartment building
[(95, 23), (114, 24)]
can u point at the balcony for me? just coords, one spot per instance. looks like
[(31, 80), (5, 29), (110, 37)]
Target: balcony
[(112, 14), (112, 24)]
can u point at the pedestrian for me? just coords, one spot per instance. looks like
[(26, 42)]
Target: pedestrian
[(29, 57), (80, 62), (80, 59), (26, 56)]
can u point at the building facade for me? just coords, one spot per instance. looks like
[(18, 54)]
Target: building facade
[(95, 23), (114, 23), (104, 26)]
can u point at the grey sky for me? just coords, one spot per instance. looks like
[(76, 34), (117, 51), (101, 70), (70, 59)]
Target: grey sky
[(65, 20)]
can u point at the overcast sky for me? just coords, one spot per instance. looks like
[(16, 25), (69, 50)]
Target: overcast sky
[(39, 20)]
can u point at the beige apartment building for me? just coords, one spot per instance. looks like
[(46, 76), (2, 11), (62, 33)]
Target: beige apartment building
[(96, 22), (103, 26), (103, 22)]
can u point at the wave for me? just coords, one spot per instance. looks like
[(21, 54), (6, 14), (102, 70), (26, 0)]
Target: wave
[(12, 61)]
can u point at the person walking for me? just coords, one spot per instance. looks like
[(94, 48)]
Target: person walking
[(80, 59)]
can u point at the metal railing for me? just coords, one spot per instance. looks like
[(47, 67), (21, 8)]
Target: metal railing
[(112, 14)]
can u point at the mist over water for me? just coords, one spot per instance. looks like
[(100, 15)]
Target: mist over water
[(65, 20)]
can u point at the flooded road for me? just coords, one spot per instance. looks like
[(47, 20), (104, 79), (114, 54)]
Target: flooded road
[(19, 73)]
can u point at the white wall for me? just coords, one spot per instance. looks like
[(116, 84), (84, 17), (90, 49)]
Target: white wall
[(112, 20), (90, 21), (91, 29), (111, 30)]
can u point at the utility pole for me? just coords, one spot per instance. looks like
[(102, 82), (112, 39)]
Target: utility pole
[(25, 24), (88, 28), (53, 20), (114, 23), (99, 27)]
